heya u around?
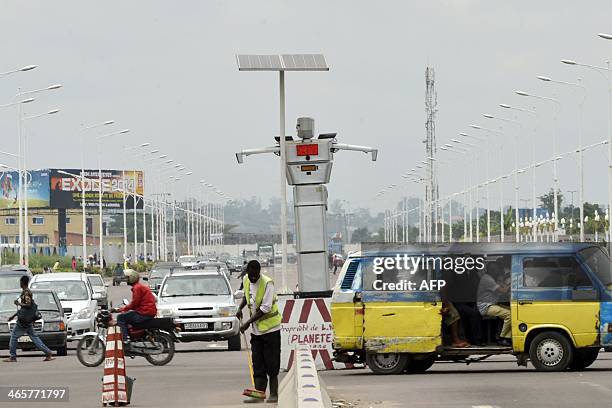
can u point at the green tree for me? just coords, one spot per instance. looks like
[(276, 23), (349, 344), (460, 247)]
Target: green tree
[(548, 201)]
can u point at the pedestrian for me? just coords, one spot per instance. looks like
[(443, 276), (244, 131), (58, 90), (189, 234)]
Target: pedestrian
[(74, 263), (265, 323), (56, 266), (26, 316), (103, 263)]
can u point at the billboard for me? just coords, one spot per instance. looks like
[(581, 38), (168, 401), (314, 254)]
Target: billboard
[(67, 191), (37, 185)]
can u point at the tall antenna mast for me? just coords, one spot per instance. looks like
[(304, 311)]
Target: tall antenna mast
[(431, 174)]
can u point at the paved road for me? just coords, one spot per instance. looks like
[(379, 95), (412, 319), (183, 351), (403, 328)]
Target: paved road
[(207, 375)]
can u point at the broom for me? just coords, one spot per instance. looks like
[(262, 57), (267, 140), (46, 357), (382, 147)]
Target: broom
[(251, 392)]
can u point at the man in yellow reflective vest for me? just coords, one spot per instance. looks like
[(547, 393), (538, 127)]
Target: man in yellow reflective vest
[(265, 322)]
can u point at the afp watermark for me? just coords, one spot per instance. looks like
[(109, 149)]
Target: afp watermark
[(402, 264)]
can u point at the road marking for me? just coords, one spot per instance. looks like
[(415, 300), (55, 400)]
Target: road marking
[(485, 406)]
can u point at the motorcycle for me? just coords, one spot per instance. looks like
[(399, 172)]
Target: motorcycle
[(154, 340)]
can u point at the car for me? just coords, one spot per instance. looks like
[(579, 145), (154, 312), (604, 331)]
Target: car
[(77, 297), (118, 275), (98, 286), (10, 275), (215, 267), (51, 328), (188, 261), (235, 264), (159, 272), (202, 305)]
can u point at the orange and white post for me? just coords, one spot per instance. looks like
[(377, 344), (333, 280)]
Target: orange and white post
[(114, 386)]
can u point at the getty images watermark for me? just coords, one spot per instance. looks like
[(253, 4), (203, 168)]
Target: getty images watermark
[(395, 273)]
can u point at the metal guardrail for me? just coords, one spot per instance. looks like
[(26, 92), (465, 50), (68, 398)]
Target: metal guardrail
[(302, 387)]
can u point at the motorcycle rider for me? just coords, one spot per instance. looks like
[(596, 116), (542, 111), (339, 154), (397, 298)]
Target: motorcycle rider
[(142, 307)]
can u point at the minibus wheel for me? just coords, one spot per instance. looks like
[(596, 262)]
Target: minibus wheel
[(550, 351), (386, 363), (583, 358)]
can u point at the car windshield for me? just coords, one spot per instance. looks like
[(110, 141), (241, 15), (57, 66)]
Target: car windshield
[(44, 300), (96, 280), (599, 263), (7, 301), (8, 282), (187, 258), (204, 285), (65, 289)]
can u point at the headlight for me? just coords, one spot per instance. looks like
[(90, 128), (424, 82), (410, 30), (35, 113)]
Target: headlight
[(165, 312), (227, 311), (4, 328), (84, 314), (56, 326)]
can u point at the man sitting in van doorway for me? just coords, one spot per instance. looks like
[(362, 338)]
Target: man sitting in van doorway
[(452, 319), (493, 290)]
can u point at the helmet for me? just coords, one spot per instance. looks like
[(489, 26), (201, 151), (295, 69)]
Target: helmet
[(132, 276)]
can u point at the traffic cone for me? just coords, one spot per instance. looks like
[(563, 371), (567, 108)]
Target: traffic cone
[(114, 384)]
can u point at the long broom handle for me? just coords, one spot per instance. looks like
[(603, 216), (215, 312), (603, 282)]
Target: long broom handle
[(246, 345)]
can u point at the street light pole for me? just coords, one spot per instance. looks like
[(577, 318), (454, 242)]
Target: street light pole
[(580, 150), (83, 212), (100, 190), (556, 113)]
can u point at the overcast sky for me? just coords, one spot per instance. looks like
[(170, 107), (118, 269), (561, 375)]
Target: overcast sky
[(167, 71)]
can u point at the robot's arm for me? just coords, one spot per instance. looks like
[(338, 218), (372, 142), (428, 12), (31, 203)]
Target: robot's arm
[(365, 149), (248, 152)]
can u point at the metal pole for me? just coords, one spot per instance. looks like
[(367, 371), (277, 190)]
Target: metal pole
[(123, 191), (135, 204), (100, 204), (516, 188), (84, 223), (283, 181), (144, 222), (20, 187)]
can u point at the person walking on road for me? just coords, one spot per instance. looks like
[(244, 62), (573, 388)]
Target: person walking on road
[(26, 316), (265, 323)]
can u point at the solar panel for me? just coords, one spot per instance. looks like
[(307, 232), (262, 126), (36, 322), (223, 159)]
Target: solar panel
[(259, 62), (285, 62), (304, 62)]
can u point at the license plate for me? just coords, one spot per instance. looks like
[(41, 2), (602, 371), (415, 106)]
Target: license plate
[(193, 326), (24, 339)]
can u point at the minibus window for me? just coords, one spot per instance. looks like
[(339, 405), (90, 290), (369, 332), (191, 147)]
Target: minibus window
[(599, 263), (391, 275), (349, 276), (553, 272)]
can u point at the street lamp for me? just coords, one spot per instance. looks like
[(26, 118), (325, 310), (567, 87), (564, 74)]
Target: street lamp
[(557, 105), (580, 150), (516, 168), (101, 225), (26, 232), (533, 113), (84, 215), (22, 69), (606, 73)]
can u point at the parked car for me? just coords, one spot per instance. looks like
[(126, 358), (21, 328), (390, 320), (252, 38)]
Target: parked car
[(51, 328), (202, 304), (118, 275), (159, 272), (10, 275), (78, 300), (215, 267), (98, 286), (234, 264)]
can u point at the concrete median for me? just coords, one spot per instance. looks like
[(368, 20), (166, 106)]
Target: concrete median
[(302, 387)]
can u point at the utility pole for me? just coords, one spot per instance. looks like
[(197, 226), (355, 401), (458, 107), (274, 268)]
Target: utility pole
[(431, 176)]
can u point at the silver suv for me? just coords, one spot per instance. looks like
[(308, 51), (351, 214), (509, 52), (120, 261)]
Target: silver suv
[(202, 304)]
